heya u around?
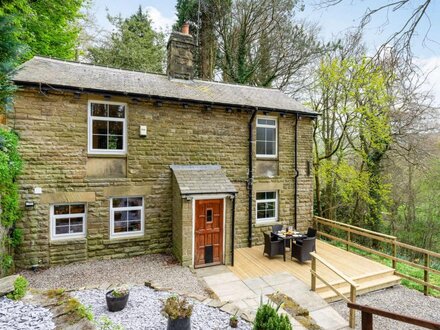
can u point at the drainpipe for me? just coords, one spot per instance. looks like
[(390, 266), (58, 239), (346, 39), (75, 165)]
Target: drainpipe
[(233, 229), (295, 194), (250, 177)]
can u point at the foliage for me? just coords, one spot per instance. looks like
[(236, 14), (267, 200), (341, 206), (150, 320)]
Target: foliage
[(20, 288), (177, 308), (47, 27), (10, 50), (267, 318), (104, 323), (134, 45), (74, 306), (6, 262), (120, 292)]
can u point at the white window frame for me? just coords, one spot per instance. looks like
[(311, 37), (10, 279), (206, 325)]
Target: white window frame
[(126, 208), (275, 155), (90, 129), (53, 217), (260, 201)]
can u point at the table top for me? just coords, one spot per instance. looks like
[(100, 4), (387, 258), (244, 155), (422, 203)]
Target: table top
[(295, 234)]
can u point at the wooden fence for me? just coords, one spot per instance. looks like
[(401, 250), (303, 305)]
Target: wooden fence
[(323, 225)]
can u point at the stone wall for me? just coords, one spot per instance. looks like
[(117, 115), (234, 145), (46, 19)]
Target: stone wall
[(53, 130)]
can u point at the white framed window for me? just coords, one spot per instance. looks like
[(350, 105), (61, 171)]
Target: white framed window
[(68, 221), (267, 206), (107, 126), (126, 216), (267, 144)]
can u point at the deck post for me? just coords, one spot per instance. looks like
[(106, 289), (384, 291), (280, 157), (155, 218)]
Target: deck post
[(313, 281), (426, 275), (367, 321), (352, 316), (348, 240), (394, 261)]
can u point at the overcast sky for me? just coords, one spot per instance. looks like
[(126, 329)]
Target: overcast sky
[(334, 21)]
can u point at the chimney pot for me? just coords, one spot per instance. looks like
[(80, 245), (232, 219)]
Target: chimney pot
[(185, 28)]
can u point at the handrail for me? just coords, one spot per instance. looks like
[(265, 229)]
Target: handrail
[(353, 284), (392, 240), (368, 312)]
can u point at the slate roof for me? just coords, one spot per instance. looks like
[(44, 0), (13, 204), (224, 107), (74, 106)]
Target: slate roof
[(202, 179), (58, 73)]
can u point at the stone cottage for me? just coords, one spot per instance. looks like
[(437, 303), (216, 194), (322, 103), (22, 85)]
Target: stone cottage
[(121, 163)]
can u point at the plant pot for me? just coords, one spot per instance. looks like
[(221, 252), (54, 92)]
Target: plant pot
[(233, 323), (179, 324), (116, 304)]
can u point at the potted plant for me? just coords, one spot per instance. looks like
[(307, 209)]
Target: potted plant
[(117, 299), (233, 321), (178, 311)]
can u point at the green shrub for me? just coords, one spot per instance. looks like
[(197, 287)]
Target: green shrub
[(20, 288), (177, 308), (267, 318), (104, 323)]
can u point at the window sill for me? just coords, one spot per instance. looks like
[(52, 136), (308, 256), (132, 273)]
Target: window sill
[(92, 155), (266, 223), (67, 240), (260, 158), (124, 239)]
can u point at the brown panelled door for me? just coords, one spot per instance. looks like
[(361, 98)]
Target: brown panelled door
[(208, 232)]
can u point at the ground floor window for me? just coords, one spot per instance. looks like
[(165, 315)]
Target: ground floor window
[(267, 205), (68, 221), (126, 216)]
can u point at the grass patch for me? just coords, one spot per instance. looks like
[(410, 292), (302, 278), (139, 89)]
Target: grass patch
[(401, 268)]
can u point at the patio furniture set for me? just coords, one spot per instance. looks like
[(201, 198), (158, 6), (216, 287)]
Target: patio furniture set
[(300, 245)]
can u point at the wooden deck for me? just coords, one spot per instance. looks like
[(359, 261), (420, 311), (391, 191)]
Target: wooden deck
[(370, 275)]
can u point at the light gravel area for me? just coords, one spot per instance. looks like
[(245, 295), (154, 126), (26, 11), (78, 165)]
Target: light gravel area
[(16, 315), (159, 268), (143, 311), (399, 300)]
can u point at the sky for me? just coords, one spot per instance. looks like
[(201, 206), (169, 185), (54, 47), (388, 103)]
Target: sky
[(334, 21)]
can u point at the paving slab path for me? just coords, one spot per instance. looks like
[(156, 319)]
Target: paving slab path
[(246, 295)]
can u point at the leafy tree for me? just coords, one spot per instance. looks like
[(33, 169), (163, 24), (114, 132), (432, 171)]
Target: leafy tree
[(47, 27), (134, 45)]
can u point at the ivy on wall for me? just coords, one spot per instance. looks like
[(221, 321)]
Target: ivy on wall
[(10, 168)]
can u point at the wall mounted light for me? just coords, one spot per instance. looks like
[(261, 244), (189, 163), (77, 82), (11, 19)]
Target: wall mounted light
[(29, 204)]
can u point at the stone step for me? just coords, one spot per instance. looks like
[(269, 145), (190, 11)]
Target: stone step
[(7, 284)]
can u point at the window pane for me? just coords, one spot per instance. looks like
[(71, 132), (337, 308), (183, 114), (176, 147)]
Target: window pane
[(271, 122), (261, 148), (100, 127), (270, 214), (76, 221), (78, 208), (134, 226), (99, 141), (62, 222), (260, 133), (76, 229), (61, 209), (261, 214), (270, 148), (270, 205), (137, 201), (62, 230), (115, 127), (115, 142), (209, 215), (262, 121), (134, 215), (121, 215), (119, 202), (99, 109), (261, 195), (271, 195), (120, 226), (261, 207), (116, 111), (270, 134)]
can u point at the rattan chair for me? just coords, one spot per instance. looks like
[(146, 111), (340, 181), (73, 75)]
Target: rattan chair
[(274, 246), (301, 249)]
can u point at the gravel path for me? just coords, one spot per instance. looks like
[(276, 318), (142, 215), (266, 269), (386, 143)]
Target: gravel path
[(143, 311), (159, 268), (16, 315), (397, 300)]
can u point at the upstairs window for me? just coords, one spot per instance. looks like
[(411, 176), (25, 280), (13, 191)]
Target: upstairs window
[(107, 127), (266, 137), (267, 206), (68, 221)]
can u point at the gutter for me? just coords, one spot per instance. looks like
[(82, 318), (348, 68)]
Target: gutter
[(295, 194), (233, 230), (74, 89), (250, 177)]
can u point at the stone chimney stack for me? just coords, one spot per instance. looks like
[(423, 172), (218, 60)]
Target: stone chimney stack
[(180, 54)]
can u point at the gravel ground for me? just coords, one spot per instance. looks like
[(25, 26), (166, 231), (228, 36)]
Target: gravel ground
[(16, 315), (397, 300), (143, 311), (159, 268)]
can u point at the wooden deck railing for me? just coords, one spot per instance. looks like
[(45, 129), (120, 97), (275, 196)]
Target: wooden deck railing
[(392, 241), (353, 285), (367, 313)]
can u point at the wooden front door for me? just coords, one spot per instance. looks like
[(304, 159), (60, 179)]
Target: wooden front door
[(208, 232)]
